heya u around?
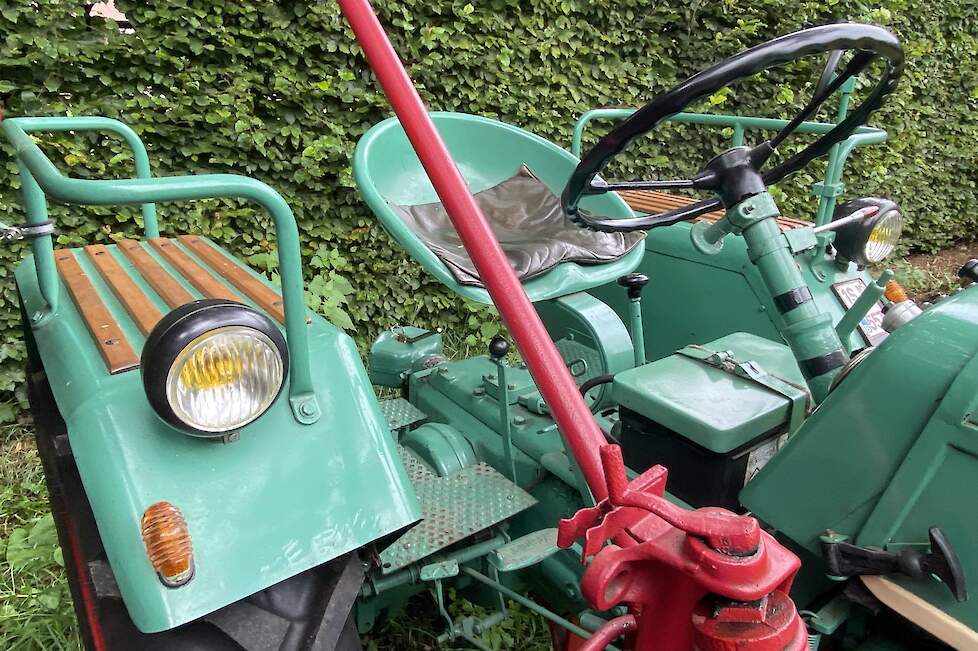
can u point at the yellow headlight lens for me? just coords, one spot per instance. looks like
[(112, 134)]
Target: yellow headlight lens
[(224, 379), (884, 237)]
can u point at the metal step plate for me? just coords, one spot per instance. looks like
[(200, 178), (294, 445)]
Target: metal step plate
[(453, 507), (400, 413)]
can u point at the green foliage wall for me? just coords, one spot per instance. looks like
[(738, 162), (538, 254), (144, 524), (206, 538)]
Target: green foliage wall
[(278, 90)]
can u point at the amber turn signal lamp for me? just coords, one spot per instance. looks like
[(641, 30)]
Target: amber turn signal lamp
[(894, 292), (168, 545)]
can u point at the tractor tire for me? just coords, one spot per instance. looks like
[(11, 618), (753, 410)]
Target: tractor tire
[(312, 611)]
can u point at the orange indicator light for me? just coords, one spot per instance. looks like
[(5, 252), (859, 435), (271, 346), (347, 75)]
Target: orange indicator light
[(894, 292), (168, 545)]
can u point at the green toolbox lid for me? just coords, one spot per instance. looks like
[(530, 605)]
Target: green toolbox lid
[(711, 406)]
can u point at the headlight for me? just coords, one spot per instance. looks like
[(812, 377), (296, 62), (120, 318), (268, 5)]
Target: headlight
[(871, 240), (213, 366)]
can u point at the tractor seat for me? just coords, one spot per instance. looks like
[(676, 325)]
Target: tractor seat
[(530, 225), (515, 177)]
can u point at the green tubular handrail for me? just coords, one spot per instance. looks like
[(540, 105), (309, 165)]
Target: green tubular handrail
[(42, 178), (105, 125), (35, 203), (837, 157)]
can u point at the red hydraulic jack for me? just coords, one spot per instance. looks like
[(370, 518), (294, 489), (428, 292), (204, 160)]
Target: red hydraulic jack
[(704, 579), (708, 579)]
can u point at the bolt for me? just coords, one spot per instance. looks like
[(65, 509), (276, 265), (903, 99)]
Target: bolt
[(833, 537), (491, 377), (749, 208), (519, 420), (511, 385), (306, 409), (479, 391)]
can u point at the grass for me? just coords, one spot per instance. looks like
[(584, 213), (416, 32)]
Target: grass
[(35, 607), (922, 283)]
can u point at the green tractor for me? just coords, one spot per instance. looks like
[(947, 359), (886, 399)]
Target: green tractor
[(223, 475)]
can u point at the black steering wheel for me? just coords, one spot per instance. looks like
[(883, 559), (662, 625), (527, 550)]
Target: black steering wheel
[(725, 174)]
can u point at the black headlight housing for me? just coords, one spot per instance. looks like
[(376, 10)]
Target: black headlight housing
[(212, 366), (969, 272), (871, 240)]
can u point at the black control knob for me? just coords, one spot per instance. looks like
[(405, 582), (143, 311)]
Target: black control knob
[(498, 347), (969, 271), (634, 283)]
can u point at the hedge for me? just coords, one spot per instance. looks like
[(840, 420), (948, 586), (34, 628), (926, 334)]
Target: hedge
[(280, 91)]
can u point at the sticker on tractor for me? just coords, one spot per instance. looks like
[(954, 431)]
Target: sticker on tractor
[(871, 326), (760, 455)]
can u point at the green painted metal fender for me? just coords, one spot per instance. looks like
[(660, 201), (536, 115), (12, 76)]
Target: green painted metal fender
[(892, 451), (442, 447), (487, 152), (283, 498), (313, 478)]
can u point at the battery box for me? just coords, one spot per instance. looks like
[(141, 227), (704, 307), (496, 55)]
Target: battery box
[(712, 414)]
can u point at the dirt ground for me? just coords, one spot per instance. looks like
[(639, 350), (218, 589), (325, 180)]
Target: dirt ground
[(950, 260), (926, 276)]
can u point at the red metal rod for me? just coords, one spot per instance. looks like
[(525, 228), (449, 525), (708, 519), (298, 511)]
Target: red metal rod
[(608, 632), (573, 417)]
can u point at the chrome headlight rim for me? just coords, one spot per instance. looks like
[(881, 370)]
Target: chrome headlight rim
[(188, 325), (856, 241)]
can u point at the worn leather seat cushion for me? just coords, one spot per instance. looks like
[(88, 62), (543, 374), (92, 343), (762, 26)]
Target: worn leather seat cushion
[(529, 223)]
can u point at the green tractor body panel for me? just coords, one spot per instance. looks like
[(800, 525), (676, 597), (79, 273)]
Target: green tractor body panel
[(695, 298), (899, 438), (282, 498)]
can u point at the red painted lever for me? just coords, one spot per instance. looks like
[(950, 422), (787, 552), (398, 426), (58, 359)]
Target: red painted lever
[(722, 530), (558, 388)]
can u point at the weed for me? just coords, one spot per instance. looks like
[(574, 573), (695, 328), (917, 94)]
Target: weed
[(921, 283)]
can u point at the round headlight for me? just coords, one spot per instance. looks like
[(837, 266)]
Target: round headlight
[(213, 366), (871, 240)]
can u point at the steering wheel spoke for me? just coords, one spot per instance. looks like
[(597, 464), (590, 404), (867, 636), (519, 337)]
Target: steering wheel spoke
[(648, 222), (702, 181), (855, 66)]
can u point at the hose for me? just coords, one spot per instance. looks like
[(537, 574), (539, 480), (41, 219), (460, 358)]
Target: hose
[(597, 380)]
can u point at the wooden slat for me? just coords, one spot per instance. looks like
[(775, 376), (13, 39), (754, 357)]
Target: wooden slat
[(153, 272), (199, 277), (112, 343), (652, 202), (137, 304), (265, 297)]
